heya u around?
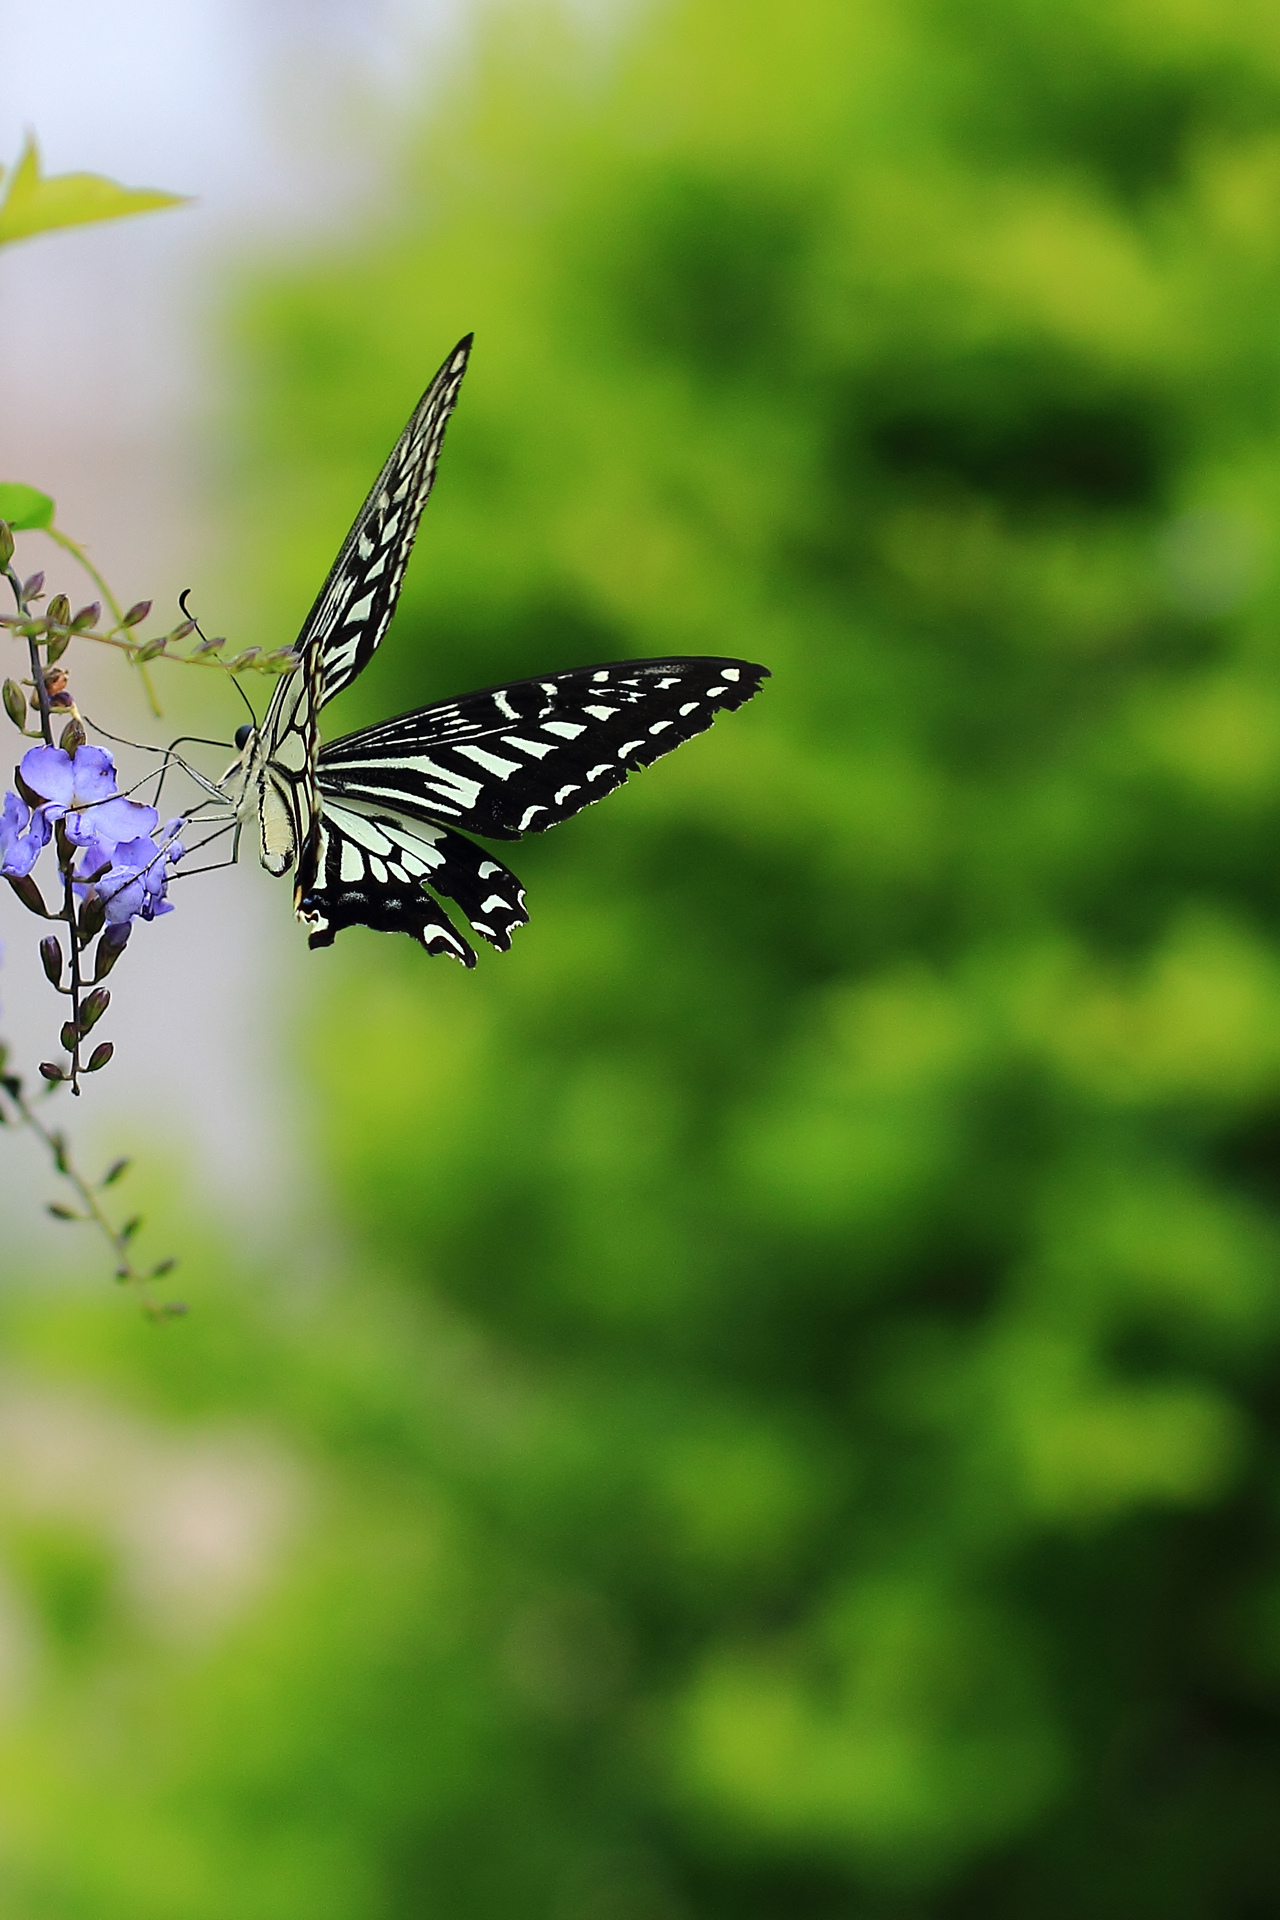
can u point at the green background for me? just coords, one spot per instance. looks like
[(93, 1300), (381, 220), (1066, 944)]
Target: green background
[(792, 1426)]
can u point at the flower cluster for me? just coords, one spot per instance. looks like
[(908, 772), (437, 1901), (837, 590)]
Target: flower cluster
[(118, 858), (113, 862)]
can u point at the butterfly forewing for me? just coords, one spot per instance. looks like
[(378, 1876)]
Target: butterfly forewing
[(521, 758), (351, 613), (356, 602)]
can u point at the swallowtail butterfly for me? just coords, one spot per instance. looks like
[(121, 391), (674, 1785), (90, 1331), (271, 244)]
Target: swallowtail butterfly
[(376, 823)]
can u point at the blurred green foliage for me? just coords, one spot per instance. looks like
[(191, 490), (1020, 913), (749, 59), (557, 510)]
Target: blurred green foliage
[(799, 1434)]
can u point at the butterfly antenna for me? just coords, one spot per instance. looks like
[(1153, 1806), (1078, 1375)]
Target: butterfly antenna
[(187, 614)]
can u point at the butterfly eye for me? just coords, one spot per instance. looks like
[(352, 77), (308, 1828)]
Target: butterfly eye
[(242, 738)]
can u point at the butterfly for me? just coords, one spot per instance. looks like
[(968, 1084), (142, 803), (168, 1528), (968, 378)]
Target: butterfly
[(376, 824)]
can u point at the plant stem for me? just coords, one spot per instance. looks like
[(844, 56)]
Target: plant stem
[(37, 671), (93, 1214), (69, 903), (78, 553)]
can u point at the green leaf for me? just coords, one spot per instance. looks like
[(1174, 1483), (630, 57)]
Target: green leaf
[(35, 202), (24, 507)]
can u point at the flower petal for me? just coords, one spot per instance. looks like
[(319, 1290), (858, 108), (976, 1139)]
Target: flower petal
[(125, 901), (47, 771), (95, 859), (135, 855), (94, 776), (113, 820), (14, 814)]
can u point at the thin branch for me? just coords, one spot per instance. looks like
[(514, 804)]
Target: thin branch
[(37, 671), (117, 1238), (283, 660), (76, 944), (78, 553)]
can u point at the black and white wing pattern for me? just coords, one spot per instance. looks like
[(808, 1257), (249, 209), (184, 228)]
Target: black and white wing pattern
[(354, 606), (373, 869), (340, 634), (376, 822), (508, 761)]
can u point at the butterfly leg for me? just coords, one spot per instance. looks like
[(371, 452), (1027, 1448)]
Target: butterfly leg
[(216, 866), (171, 759)]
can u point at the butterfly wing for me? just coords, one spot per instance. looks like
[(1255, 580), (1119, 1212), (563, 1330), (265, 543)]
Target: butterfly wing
[(510, 760), (354, 606), (372, 869), (522, 758), (351, 614)]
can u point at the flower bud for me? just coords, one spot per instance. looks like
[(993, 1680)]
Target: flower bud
[(94, 1008), (50, 1071), (6, 543), (150, 648), (245, 659), (114, 1172), (184, 630), (56, 647), (30, 895), (70, 1035), (51, 958), (208, 646), (72, 736), (136, 614), (92, 915), (15, 703), (87, 617), (58, 611), (99, 1057), (61, 1212), (110, 947), (33, 588)]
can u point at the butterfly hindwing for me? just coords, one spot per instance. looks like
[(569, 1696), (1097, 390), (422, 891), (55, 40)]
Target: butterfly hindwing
[(372, 869), (522, 758)]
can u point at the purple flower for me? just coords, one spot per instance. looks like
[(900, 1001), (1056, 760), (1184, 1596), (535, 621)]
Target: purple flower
[(82, 793), (137, 878), (68, 783), (119, 862), (22, 834), (95, 857)]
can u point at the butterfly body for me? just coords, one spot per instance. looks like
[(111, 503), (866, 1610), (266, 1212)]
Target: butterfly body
[(277, 771), (376, 822)]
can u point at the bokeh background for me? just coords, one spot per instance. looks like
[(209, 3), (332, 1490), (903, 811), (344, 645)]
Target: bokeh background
[(763, 1400)]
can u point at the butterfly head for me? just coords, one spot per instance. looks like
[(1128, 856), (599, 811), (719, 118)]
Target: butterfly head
[(243, 736)]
